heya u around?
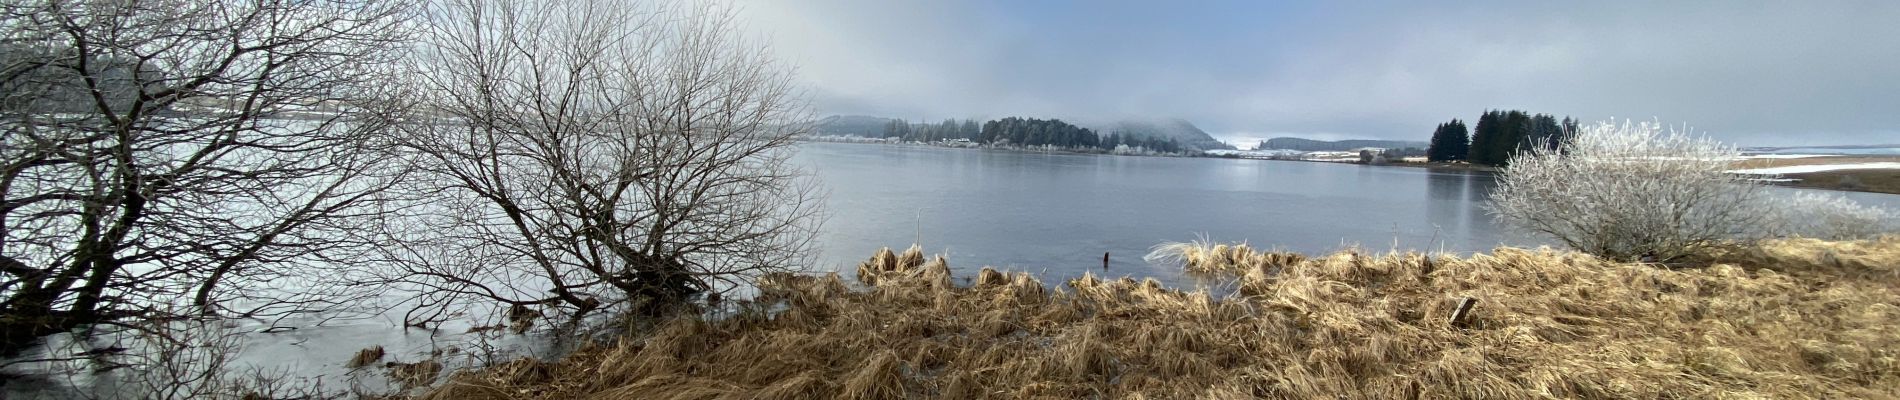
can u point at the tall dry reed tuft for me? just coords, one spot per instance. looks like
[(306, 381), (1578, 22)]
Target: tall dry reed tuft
[(990, 277), (1202, 256), (365, 357), (1788, 319)]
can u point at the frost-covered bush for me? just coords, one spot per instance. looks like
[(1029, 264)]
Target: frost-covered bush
[(1632, 191), (1636, 191), (1831, 216)]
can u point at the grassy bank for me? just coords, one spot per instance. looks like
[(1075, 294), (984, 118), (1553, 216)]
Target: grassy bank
[(1790, 319), (1875, 180), (1849, 180)]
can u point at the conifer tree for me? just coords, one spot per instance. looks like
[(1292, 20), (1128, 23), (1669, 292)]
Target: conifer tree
[(1460, 141), (1449, 142), (1483, 139)]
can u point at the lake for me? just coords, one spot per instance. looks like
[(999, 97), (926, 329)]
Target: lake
[(1055, 214)]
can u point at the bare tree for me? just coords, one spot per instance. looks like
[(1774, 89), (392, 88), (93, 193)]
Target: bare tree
[(215, 154), (593, 153), (1633, 191)]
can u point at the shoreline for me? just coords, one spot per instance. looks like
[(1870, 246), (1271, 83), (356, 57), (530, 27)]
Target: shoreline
[(1510, 323), (1880, 181), (1008, 149), (1850, 180)]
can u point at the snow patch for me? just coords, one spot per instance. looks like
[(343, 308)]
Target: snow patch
[(1802, 169), (1783, 156)]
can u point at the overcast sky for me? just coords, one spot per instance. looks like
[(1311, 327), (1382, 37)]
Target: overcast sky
[(1767, 73)]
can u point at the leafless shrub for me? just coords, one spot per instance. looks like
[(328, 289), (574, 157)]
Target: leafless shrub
[(1832, 217), (1632, 191), (596, 153)]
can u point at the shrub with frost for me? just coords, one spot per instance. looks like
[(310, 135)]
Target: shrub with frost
[(1632, 191), (1833, 217), (1642, 191)]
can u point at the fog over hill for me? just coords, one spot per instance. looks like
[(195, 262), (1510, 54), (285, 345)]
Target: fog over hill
[(1172, 128), (1293, 143), (851, 125)]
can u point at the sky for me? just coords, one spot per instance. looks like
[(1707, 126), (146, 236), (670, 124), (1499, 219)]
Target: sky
[(1753, 73)]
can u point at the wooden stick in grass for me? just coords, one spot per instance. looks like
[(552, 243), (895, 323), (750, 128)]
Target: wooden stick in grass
[(1464, 308)]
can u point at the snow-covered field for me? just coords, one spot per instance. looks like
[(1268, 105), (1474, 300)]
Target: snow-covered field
[(1800, 169), (1280, 154), (1255, 153), (1784, 156), (1862, 151)]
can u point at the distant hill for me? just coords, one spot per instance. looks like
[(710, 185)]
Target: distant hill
[(1178, 129), (1292, 143), (1181, 131), (851, 125)]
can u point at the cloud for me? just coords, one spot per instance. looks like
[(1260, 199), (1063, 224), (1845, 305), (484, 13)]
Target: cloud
[(1755, 73)]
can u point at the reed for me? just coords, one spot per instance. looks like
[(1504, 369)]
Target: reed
[(365, 357), (1202, 256)]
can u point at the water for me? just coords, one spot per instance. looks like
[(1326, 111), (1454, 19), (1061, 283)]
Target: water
[(1052, 214), (1056, 214)]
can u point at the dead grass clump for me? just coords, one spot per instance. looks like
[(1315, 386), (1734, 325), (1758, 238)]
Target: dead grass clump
[(1082, 356), (674, 387), (912, 257), (880, 377), (990, 277), (1870, 258), (883, 261), (1024, 289), (800, 290), (365, 357), (414, 374), (958, 386), (809, 384), (1793, 319), (1203, 256), (936, 273), (777, 285), (494, 382), (909, 267), (469, 386)]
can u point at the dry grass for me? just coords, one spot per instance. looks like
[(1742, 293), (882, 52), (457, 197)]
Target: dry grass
[(1791, 319), (365, 357), (1206, 257), (1825, 160), (414, 374), (1860, 180)]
